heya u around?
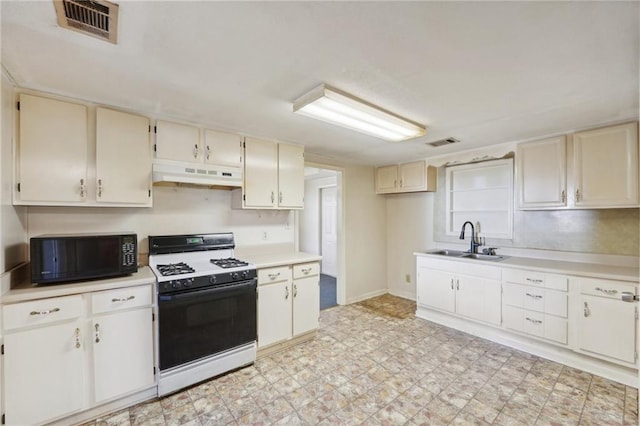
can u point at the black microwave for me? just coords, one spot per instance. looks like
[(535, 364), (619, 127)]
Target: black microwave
[(63, 258)]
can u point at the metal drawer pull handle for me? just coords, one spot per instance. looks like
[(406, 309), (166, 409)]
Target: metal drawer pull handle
[(533, 280), (83, 190), (50, 311), (587, 312), (115, 299), (533, 320), (286, 294), (605, 291), (97, 333), (535, 296), (274, 276), (306, 271), (77, 338)]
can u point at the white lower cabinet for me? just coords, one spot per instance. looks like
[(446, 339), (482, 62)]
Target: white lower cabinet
[(469, 290), (606, 326), (536, 303), (288, 302), (67, 354)]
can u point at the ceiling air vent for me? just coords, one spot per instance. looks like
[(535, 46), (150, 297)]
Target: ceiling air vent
[(97, 18), (441, 142)]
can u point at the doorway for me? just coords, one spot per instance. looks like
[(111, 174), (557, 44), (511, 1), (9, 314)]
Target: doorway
[(319, 231)]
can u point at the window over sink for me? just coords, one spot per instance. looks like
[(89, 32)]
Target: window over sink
[(483, 194)]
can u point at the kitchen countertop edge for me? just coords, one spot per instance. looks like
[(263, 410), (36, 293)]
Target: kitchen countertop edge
[(267, 260), (590, 270), (27, 291)]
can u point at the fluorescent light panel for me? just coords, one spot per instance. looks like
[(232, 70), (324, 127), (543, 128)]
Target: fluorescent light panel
[(334, 106)]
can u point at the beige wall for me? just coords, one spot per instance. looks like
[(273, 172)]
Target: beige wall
[(176, 210), (364, 269), (409, 229), (12, 219)]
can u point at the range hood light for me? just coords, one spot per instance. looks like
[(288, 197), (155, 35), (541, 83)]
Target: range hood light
[(334, 106)]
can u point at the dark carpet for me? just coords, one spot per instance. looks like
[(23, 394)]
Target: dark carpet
[(327, 291)]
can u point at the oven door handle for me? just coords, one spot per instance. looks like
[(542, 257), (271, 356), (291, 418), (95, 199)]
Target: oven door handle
[(203, 292)]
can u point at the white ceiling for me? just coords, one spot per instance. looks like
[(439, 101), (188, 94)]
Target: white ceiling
[(484, 73)]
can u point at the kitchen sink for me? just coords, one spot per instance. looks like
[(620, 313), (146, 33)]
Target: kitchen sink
[(479, 256), (467, 255)]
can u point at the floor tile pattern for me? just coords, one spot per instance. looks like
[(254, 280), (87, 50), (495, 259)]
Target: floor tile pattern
[(374, 363)]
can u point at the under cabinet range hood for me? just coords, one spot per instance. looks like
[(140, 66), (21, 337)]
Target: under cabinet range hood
[(196, 173)]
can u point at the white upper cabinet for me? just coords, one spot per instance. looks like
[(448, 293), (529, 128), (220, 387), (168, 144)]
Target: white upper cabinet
[(222, 148), (605, 163), (52, 151), (541, 173), (123, 158), (290, 176), (178, 142), (260, 173), (597, 169), (273, 176), (407, 177)]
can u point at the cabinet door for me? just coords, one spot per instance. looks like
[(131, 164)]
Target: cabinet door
[(260, 173), (607, 328), (290, 176), (436, 289), (478, 298), (222, 148), (386, 179), (52, 150), (412, 176), (123, 157), (606, 166), (541, 170), (43, 373), (274, 313), (306, 304), (177, 142), (122, 353)]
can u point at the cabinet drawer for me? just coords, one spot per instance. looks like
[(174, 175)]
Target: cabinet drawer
[(519, 276), (306, 270), (121, 298), (535, 323), (605, 288), (44, 311), (536, 299), (274, 275)]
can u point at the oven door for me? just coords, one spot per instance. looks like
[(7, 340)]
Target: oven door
[(204, 322)]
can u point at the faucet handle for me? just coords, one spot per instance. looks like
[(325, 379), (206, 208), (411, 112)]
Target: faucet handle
[(491, 251)]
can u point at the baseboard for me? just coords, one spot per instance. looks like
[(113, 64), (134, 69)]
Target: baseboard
[(566, 356), (277, 347), (367, 296), (404, 294)]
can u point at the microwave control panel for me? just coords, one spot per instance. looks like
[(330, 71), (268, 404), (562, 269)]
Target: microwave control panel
[(129, 251)]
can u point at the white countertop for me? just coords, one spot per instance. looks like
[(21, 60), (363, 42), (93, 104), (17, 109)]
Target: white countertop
[(266, 260), (594, 270), (28, 291)]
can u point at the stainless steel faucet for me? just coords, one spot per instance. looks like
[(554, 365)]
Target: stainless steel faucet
[(474, 245)]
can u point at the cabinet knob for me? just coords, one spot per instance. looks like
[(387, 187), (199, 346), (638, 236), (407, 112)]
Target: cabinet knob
[(286, 292), (97, 333), (83, 189), (587, 311), (295, 290), (273, 197), (99, 187), (563, 196), (280, 197), (577, 195), (208, 152), (196, 151), (78, 338)]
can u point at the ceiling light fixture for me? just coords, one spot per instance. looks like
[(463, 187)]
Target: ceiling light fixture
[(337, 107)]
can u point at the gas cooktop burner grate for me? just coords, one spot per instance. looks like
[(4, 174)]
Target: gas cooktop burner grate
[(175, 269), (229, 263)]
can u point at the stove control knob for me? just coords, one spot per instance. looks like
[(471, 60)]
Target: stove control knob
[(187, 283), (245, 274), (212, 279), (235, 276), (175, 284)]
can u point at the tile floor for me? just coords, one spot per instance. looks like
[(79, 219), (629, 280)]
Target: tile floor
[(374, 363)]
